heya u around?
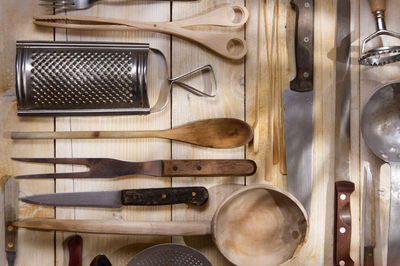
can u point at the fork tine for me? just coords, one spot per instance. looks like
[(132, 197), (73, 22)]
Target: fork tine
[(81, 161), (56, 175)]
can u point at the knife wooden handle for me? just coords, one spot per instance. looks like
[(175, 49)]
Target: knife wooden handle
[(11, 191), (304, 45), (369, 256), (208, 167), (75, 250), (164, 196), (377, 5), (343, 190)]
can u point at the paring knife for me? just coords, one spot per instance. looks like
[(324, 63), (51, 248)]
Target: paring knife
[(116, 199), (298, 107), (343, 187), (10, 215)]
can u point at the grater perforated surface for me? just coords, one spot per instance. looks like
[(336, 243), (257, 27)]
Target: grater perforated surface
[(82, 79), (169, 255)]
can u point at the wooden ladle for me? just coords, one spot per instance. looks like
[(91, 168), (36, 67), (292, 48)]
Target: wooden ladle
[(214, 133), (256, 225)]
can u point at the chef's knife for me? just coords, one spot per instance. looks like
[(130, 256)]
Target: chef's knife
[(369, 232), (10, 216), (118, 198), (343, 187), (298, 107)]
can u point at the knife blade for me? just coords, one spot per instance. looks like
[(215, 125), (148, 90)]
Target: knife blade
[(10, 215), (343, 187), (298, 107), (369, 217), (118, 198)]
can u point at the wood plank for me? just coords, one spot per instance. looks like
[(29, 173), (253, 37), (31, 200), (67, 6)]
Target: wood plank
[(119, 249), (16, 25), (186, 107), (370, 79)]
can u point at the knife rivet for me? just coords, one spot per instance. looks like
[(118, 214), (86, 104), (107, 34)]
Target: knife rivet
[(342, 230), (164, 196), (342, 263), (10, 244), (306, 74), (306, 39), (175, 168), (10, 228), (199, 167), (194, 194), (342, 196), (306, 4)]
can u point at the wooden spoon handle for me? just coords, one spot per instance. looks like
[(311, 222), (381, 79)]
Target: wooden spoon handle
[(118, 227), (377, 5), (343, 190)]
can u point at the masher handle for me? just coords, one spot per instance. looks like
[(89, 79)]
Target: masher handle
[(377, 5)]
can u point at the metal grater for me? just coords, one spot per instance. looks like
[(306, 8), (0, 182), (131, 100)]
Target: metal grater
[(76, 78)]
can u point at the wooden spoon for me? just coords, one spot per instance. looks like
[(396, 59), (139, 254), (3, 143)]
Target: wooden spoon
[(214, 133)]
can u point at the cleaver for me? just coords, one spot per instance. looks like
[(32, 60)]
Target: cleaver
[(298, 107)]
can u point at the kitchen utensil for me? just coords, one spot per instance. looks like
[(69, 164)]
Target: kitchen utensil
[(213, 133), (75, 4), (381, 55), (343, 187), (252, 226), (380, 124), (75, 246), (118, 198), (108, 168), (169, 255), (368, 217), (10, 215), (88, 78), (298, 107), (229, 45), (100, 260)]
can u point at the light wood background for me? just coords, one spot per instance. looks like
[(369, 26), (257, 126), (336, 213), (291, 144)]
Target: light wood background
[(237, 83)]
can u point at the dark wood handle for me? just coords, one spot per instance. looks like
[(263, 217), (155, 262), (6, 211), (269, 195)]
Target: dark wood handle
[(377, 5), (75, 246), (209, 167), (304, 45), (343, 190), (369, 256), (164, 196)]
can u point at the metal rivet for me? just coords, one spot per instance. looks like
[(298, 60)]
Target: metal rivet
[(175, 168), (342, 263), (164, 196), (393, 150), (342, 196), (306, 4), (342, 230), (306, 39), (193, 194), (10, 228), (199, 167), (306, 74), (384, 156), (10, 244)]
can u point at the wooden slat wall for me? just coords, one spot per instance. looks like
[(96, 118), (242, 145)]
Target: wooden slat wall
[(236, 98)]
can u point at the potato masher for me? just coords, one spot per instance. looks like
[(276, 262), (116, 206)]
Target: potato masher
[(385, 54)]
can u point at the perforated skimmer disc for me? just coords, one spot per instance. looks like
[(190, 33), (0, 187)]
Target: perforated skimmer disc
[(169, 255)]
